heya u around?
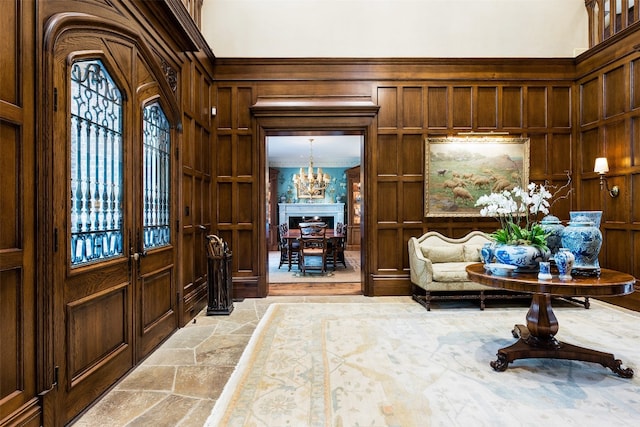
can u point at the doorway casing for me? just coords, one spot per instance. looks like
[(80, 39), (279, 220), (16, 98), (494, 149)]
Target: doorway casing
[(299, 115)]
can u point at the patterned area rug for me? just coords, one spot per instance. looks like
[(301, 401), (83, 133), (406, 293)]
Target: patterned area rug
[(342, 274), (394, 364)]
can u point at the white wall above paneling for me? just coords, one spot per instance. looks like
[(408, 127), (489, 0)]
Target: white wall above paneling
[(395, 28)]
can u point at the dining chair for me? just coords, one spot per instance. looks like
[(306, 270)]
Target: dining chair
[(313, 248), (337, 246), (284, 247)]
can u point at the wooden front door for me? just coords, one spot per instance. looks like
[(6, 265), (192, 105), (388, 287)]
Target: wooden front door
[(113, 199)]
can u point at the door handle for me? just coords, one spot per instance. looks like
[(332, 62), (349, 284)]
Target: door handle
[(135, 256)]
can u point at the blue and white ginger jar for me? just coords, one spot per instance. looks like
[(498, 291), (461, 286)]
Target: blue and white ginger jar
[(584, 240), (593, 216), (564, 261), (553, 227)]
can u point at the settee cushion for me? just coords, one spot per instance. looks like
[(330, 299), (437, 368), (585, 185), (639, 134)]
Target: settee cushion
[(445, 253), (472, 252), (450, 272)]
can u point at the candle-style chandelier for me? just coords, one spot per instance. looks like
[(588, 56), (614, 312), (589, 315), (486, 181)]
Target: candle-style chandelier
[(311, 185)]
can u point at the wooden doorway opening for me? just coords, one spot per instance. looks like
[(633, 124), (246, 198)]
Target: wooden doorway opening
[(287, 115)]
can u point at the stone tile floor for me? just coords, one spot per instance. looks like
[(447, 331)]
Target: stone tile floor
[(178, 384)]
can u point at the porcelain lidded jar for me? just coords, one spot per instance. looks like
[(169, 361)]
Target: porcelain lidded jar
[(564, 261), (584, 240), (552, 225), (594, 216)]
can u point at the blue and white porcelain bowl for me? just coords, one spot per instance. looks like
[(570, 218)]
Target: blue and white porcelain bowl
[(500, 269), (524, 258)]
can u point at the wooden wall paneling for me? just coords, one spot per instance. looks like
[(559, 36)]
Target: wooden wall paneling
[(462, 114), (560, 155), (437, 107), (633, 193), (196, 186), (589, 101), (412, 107), (559, 109), (387, 154), (412, 163), (615, 91), (413, 201), (536, 107), (512, 107), (635, 255), (245, 156), (539, 149), (223, 200), (590, 147), (224, 107), (634, 141), (245, 99), (238, 186), (223, 155), (616, 209), (608, 101), (412, 154), (387, 254), (388, 102), (388, 203), (486, 107), (25, 359), (446, 106), (617, 147), (634, 83), (615, 250)]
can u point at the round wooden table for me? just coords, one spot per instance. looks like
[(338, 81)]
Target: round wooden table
[(537, 338)]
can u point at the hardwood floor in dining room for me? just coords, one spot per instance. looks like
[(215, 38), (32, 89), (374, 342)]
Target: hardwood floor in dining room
[(313, 285)]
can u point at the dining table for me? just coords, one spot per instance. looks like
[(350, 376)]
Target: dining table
[(294, 234)]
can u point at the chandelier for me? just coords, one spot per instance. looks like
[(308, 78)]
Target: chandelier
[(311, 185)]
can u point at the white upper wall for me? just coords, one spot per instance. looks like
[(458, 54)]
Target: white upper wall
[(395, 28)]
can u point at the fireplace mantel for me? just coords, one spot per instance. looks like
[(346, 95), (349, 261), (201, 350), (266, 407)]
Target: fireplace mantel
[(336, 210)]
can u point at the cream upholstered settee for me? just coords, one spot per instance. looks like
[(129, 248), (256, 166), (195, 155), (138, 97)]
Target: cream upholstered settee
[(437, 265)]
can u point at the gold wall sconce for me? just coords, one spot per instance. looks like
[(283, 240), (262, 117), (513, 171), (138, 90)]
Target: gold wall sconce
[(601, 167)]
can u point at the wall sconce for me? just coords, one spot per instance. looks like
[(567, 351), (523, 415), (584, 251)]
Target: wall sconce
[(601, 167)]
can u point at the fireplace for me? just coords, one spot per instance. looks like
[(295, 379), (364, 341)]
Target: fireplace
[(292, 213)]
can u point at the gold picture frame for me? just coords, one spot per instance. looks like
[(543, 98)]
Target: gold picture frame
[(305, 194), (460, 169)]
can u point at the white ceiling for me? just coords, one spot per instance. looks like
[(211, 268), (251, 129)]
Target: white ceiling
[(328, 151)]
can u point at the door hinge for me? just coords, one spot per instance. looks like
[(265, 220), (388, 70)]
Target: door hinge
[(55, 240), (56, 372), (55, 99)]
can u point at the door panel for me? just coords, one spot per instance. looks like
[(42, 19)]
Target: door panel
[(157, 302), (94, 284), (113, 186), (19, 310)]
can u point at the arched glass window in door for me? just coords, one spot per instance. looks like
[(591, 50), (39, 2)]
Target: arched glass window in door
[(96, 164), (157, 177)]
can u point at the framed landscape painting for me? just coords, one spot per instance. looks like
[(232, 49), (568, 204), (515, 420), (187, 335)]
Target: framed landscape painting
[(460, 169)]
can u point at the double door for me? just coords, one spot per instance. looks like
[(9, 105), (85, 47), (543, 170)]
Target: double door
[(113, 196)]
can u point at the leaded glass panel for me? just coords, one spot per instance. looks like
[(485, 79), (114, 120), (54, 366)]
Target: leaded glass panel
[(157, 177), (96, 164)]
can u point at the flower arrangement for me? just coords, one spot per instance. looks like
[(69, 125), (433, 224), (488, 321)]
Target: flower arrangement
[(517, 210)]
